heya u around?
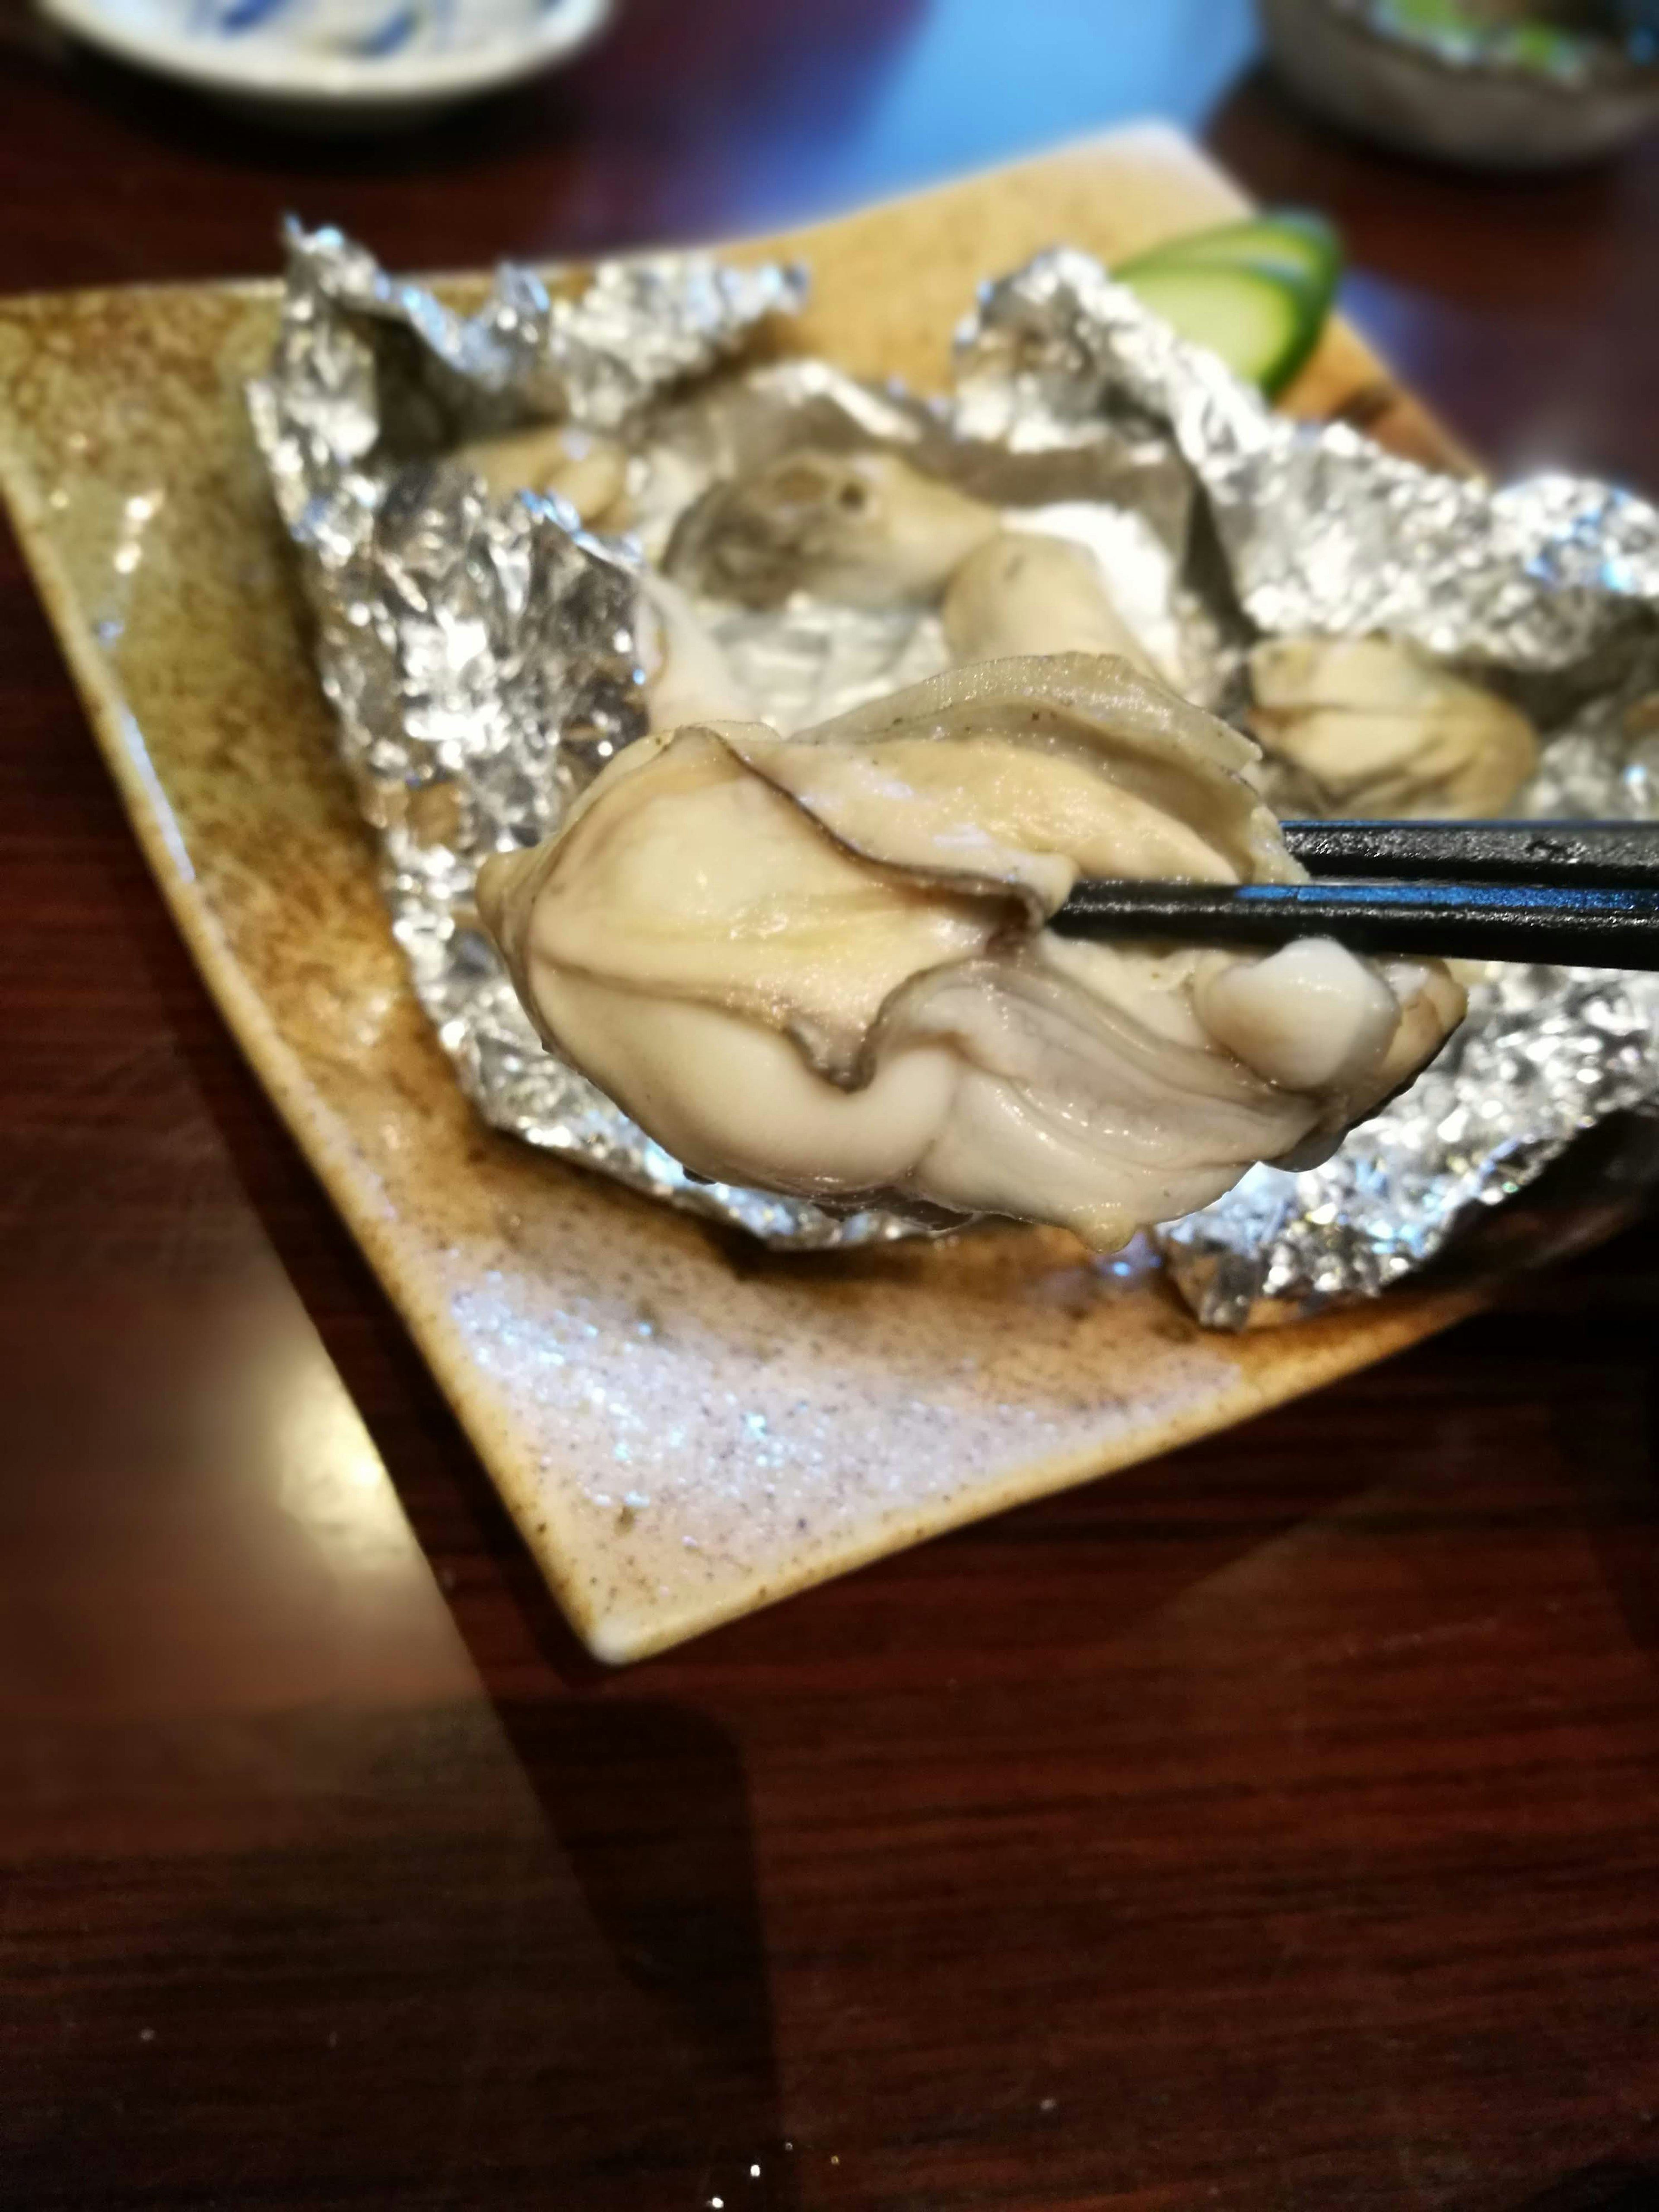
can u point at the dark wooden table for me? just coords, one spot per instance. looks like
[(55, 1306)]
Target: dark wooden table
[(1275, 1828)]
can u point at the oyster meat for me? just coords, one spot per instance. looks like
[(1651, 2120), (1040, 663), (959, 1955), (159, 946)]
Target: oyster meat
[(821, 965), (591, 473), (1372, 726), (865, 528), (687, 677), (1020, 593)]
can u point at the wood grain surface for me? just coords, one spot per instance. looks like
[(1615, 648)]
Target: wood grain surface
[(1275, 1826)]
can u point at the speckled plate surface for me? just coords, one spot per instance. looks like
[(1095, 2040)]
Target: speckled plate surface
[(684, 1428)]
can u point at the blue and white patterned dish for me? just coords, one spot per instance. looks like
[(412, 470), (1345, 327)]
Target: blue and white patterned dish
[(351, 63)]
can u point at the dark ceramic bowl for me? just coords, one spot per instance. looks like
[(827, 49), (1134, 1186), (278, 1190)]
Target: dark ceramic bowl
[(1454, 100)]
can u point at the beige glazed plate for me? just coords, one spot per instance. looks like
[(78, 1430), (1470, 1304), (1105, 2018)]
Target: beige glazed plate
[(684, 1428)]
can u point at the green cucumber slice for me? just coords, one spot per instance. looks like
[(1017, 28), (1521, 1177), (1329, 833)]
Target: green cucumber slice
[(1288, 241), (1264, 326)]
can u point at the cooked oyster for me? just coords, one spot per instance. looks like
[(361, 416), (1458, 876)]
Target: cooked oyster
[(864, 528), (589, 471), (820, 964), (687, 677), (1372, 726), (1020, 594)]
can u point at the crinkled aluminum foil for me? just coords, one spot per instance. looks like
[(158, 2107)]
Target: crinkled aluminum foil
[(480, 654), (481, 658)]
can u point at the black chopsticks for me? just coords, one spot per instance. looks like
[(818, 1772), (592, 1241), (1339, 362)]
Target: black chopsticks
[(1610, 855), (1573, 894)]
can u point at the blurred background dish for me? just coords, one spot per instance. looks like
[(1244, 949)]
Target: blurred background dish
[(1478, 82), (337, 64)]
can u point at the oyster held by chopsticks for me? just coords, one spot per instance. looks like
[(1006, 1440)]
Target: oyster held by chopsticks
[(820, 965), (1372, 726)]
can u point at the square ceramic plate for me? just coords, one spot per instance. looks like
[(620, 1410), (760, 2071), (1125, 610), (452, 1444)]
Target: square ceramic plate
[(684, 1428)]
